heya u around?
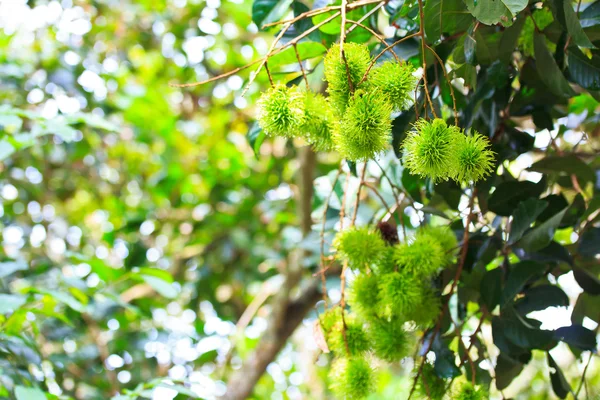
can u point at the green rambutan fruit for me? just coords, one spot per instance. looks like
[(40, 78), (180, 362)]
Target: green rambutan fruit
[(474, 159), (386, 263), (352, 378), (336, 72), (361, 247), (444, 237), (429, 309), (366, 127), (423, 257), (430, 386), (330, 318), (318, 121), (391, 342), (363, 295), (399, 294), (281, 111), (396, 81), (466, 391), (430, 149), (355, 336)]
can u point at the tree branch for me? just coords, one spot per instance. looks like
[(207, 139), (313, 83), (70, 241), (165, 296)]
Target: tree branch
[(242, 383)]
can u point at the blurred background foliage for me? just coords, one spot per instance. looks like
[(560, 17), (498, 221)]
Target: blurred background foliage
[(141, 221)]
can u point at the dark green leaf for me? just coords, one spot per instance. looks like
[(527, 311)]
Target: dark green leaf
[(541, 235), (520, 273), (267, 11), (508, 195), (506, 369), (587, 305), (565, 14), (524, 216), (577, 336), (548, 70), (587, 280), (509, 39), (589, 243), (541, 297), (567, 164), (524, 332), (585, 71), (491, 288), (559, 383)]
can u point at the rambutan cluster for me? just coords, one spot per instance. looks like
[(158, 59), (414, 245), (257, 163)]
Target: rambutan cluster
[(355, 118), (391, 287), (439, 151)]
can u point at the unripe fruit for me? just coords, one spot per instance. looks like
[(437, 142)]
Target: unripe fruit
[(365, 129), (361, 247), (352, 378), (395, 81), (390, 341), (318, 121), (423, 257), (430, 149), (352, 341), (337, 73), (474, 159), (399, 294), (281, 111), (362, 295)]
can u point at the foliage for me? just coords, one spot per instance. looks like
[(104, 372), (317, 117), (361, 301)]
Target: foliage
[(446, 209)]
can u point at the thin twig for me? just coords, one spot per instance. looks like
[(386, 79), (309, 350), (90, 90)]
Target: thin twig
[(463, 257), (322, 234), (449, 84)]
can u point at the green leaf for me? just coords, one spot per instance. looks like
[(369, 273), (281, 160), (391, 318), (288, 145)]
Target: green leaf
[(559, 384), (64, 298), (568, 164), (469, 47), (541, 235), (524, 216), (164, 288), (306, 50), (25, 393), (565, 14), (491, 12), (491, 288), (587, 280), (586, 305), (508, 195), (520, 273), (577, 336), (548, 70), (507, 369), (445, 17), (6, 149), (256, 136), (541, 297), (267, 11), (524, 332), (10, 302), (591, 15), (9, 267), (509, 39), (589, 244), (584, 70)]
